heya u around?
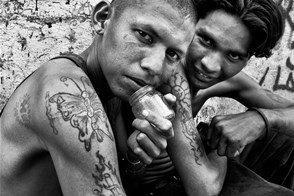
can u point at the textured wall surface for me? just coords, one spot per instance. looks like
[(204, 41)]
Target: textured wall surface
[(32, 32)]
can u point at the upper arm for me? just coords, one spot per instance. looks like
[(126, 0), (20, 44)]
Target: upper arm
[(71, 121)]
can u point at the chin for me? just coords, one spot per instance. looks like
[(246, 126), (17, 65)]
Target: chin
[(197, 84), (121, 94)]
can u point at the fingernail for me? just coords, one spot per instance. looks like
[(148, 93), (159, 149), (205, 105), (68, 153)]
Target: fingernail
[(140, 136), (137, 150), (145, 113)]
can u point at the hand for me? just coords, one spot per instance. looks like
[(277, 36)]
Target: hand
[(150, 135), (229, 134)]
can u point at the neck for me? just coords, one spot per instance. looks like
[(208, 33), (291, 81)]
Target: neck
[(193, 90), (95, 73)]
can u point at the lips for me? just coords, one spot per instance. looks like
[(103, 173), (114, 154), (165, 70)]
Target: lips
[(202, 76), (137, 83)]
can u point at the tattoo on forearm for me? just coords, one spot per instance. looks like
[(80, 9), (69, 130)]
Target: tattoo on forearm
[(83, 110), (22, 111), (103, 176), (180, 89)]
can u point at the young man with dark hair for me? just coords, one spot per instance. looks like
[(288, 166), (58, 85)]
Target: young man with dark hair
[(214, 63)]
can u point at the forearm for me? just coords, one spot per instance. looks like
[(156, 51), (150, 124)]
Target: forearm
[(281, 120), (200, 174)]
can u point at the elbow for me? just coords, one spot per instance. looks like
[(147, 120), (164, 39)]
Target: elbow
[(213, 190), (212, 187)]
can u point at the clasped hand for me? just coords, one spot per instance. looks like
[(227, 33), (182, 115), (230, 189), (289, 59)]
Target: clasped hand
[(229, 134), (150, 135)]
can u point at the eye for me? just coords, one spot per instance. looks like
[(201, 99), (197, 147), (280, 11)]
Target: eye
[(234, 56), (205, 41), (145, 36), (172, 55)]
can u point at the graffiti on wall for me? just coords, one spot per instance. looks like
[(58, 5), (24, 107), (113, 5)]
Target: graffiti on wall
[(288, 83)]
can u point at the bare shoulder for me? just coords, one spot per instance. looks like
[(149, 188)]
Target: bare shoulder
[(26, 108), (67, 100)]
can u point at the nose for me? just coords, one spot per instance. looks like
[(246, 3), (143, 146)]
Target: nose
[(212, 62), (153, 61)]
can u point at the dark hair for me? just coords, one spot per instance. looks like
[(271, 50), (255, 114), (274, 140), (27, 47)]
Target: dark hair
[(186, 7), (263, 18)]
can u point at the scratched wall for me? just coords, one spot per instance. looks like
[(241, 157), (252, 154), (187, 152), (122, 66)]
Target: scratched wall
[(32, 32)]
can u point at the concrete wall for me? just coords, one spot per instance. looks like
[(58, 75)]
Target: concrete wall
[(32, 32)]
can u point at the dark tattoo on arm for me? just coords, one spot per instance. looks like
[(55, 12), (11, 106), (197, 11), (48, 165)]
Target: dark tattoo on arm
[(103, 176), (22, 111), (180, 88), (81, 108)]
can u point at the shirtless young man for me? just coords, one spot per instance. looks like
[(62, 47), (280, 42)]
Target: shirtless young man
[(228, 33), (54, 130)]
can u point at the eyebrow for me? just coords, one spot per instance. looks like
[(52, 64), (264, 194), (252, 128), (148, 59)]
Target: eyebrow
[(150, 29), (204, 32)]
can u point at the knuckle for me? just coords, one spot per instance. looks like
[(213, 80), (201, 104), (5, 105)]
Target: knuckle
[(132, 145), (155, 153), (140, 137), (163, 145), (144, 124), (148, 160), (216, 119), (167, 126), (137, 151), (219, 126)]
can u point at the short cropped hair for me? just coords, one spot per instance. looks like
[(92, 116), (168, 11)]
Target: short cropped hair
[(263, 18), (185, 7)]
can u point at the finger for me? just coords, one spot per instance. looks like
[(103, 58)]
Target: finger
[(214, 140), (142, 156), (232, 150), (164, 126), (222, 146), (202, 130), (170, 99), (135, 150), (239, 151), (209, 132), (153, 134), (148, 146)]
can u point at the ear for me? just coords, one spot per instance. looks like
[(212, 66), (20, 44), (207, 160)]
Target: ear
[(100, 14)]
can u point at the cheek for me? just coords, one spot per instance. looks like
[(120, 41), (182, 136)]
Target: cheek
[(194, 56), (231, 70), (168, 72), (131, 52)]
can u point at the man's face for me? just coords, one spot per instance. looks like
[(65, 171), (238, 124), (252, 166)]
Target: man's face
[(143, 46), (219, 49)]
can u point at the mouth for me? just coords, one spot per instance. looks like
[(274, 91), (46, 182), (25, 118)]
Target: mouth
[(138, 83), (202, 76)]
